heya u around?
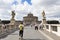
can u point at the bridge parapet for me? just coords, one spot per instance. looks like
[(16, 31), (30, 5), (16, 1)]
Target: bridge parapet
[(7, 29), (54, 28)]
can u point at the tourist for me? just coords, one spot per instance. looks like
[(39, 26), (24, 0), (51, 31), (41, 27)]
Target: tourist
[(21, 28), (36, 27)]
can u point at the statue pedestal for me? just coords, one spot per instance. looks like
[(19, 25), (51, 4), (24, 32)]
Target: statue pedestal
[(12, 22)]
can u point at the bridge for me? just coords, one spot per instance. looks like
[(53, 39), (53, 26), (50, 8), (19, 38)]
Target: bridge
[(29, 34)]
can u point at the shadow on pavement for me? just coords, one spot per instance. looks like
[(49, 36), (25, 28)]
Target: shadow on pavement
[(6, 34), (3, 36)]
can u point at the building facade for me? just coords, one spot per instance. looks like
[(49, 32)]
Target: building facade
[(30, 19)]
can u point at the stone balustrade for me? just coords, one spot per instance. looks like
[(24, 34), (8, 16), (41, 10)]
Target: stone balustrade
[(52, 28), (7, 29)]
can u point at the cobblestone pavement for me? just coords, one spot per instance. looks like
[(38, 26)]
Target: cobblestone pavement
[(29, 34)]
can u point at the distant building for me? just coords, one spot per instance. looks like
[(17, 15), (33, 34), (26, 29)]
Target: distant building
[(29, 19), (18, 22)]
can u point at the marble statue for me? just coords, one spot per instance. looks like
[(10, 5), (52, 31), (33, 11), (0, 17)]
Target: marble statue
[(13, 14)]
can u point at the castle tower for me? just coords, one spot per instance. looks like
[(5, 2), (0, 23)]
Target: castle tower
[(30, 19)]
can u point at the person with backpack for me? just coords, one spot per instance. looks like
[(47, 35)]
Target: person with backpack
[(21, 28)]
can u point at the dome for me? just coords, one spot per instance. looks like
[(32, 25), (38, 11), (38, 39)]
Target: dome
[(30, 14)]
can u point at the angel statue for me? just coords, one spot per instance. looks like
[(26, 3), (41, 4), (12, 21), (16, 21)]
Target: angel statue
[(13, 14)]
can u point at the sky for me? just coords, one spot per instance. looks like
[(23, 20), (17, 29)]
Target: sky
[(36, 7)]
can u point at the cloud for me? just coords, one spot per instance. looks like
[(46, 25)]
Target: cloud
[(51, 8), (5, 7), (28, 1), (5, 4), (4, 14)]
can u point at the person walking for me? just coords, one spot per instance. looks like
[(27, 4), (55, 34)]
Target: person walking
[(21, 28), (36, 27)]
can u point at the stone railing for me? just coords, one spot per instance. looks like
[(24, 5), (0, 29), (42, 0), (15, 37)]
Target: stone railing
[(7, 29), (50, 27)]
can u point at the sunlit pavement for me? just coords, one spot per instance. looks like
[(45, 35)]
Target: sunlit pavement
[(29, 34)]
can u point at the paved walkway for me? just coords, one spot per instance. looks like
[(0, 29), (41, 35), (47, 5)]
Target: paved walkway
[(29, 34), (51, 35)]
